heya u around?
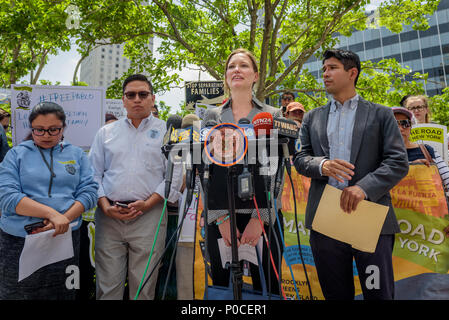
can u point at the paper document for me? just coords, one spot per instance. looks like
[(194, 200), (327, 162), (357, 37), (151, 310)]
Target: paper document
[(245, 252), (360, 228), (42, 249)]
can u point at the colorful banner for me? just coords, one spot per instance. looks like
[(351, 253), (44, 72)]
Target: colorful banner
[(421, 248), (432, 134)]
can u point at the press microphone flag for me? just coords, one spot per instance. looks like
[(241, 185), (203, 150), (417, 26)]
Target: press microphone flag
[(173, 123)]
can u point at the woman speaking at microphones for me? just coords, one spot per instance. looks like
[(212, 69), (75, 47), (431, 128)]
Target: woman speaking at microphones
[(241, 75)]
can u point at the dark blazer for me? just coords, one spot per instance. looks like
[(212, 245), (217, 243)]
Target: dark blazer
[(377, 152)]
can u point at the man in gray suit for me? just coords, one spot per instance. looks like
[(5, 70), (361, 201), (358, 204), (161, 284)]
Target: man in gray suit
[(354, 145)]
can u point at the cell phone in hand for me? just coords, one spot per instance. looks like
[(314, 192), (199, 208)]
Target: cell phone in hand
[(123, 205), (29, 228)]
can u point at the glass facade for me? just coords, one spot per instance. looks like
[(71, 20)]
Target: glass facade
[(423, 51)]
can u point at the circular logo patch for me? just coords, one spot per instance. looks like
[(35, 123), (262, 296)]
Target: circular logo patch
[(226, 144)]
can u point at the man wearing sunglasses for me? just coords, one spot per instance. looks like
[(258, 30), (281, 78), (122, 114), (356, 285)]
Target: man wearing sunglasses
[(130, 169), (286, 98), (4, 121), (353, 145)]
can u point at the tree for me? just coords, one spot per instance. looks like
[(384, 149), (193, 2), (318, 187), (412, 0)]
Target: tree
[(30, 30), (283, 34)]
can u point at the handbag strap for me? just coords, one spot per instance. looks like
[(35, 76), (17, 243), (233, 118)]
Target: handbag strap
[(425, 153)]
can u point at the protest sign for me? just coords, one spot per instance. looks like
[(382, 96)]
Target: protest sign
[(432, 134), (115, 107), (204, 93), (420, 256), (83, 106)]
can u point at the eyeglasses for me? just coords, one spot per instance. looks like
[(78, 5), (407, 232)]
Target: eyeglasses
[(404, 123), (41, 132), (287, 98), (131, 95), (416, 108)]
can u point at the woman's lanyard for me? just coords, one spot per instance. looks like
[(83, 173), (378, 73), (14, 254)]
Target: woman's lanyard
[(50, 168)]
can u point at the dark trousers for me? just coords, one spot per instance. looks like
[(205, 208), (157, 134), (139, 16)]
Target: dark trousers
[(333, 261), (220, 276), (47, 283)]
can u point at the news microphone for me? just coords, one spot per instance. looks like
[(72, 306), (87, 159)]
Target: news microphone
[(286, 127), (205, 128), (263, 123), (190, 129), (190, 132), (173, 123), (247, 127)]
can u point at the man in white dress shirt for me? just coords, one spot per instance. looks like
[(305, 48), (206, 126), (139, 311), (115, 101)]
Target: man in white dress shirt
[(130, 168)]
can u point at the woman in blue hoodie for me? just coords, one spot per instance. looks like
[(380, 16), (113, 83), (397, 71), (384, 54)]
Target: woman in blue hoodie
[(42, 180)]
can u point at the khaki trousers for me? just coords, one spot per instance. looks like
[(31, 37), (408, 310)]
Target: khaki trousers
[(123, 247)]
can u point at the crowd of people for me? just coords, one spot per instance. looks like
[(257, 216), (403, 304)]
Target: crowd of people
[(357, 146)]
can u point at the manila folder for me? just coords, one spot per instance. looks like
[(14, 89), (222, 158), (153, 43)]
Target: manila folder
[(360, 228)]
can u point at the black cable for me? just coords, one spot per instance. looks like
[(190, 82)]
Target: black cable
[(176, 246), (269, 236), (205, 186), (296, 224), (279, 260)]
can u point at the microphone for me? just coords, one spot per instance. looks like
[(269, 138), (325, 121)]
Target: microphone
[(286, 127), (190, 133), (190, 129), (263, 123), (205, 128), (173, 123), (246, 125)]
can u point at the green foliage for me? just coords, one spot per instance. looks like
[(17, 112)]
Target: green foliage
[(30, 30), (386, 82), (164, 110), (439, 107), (204, 32)]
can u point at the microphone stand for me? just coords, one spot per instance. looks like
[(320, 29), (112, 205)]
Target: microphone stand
[(236, 271)]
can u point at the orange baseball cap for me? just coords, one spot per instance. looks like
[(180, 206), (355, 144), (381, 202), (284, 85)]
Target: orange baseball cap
[(295, 106)]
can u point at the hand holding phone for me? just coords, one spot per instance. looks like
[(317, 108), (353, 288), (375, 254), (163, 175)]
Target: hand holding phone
[(29, 228), (122, 205)]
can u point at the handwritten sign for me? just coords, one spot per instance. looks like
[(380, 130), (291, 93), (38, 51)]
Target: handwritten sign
[(84, 108), (434, 135), (115, 107)]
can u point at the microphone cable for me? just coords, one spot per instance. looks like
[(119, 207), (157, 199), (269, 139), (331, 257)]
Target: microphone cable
[(266, 241), (288, 167), (283, 244), (152, 248), (176, 243), (165, 250)]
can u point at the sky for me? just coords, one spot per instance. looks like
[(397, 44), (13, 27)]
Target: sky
[(62, 66)]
